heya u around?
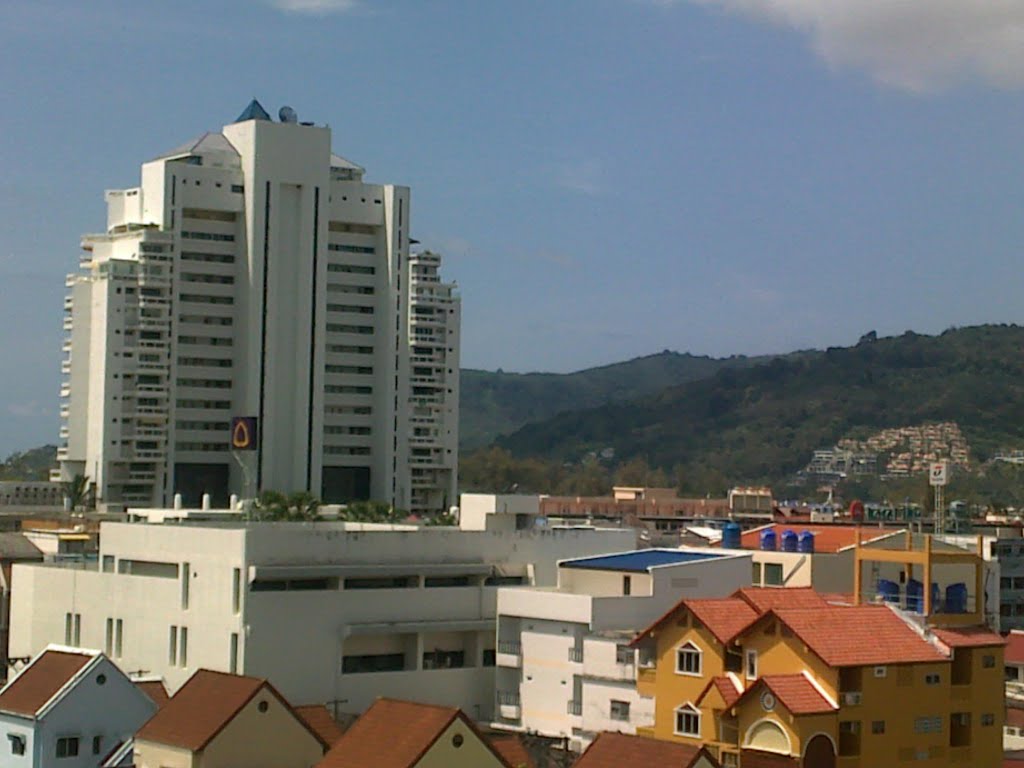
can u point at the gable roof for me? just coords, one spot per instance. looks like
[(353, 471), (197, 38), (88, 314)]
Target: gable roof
[(614, 750), (155, 689), (1015, 647), (796, 693), (16, 546), (763, 599), (726, 688), (319, 719), (375, 740), (208, 143), (850, 636), (968, 637), (724, 617), (204, 706), (44, 677), (513, 751)]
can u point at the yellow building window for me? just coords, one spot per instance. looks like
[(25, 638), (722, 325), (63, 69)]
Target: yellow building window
[(688, 660), (688, 721)]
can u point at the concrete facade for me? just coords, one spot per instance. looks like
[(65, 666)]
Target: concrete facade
[(253, 273), (330, 613), (565, 666)]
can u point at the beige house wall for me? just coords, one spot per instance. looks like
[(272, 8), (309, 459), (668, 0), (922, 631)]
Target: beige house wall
[(271, 739), (472, 754), (151, 755)]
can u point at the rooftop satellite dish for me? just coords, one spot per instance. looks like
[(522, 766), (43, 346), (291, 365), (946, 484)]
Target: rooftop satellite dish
[(288, 115)]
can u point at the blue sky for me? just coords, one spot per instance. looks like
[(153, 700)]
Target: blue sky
[(606, 178)]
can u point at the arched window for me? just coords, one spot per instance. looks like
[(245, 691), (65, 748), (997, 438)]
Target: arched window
[(688, 659), (688, 721), (768, 736)]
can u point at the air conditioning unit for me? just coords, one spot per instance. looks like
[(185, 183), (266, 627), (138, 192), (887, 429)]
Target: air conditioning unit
[(851, 699)]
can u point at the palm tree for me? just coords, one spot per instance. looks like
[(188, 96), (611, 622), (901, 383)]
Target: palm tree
[(76, 490)]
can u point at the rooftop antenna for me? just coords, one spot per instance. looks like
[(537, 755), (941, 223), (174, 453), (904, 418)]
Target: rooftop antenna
[(287, 115)]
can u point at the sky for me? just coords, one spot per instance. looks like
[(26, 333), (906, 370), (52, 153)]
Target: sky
[(605, 178)]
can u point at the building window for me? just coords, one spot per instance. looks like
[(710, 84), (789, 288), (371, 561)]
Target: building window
[(67, 746), (988, 719), (17, 743), (97, 744), (959, 729), (439, 659), (878, 727), (619, 710), (751, 666), (932, 679), (773, 574), (489, 657), (688, 660), (881, 671), (755, 574), (385, 662), (849, 738), (627, 585), (928, 725), (688, 721), (988, 661)]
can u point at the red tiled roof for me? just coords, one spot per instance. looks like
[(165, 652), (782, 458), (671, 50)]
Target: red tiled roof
[(156, 691), (968, 637), (795, 692), (1015, 647), (763, 599), (319, 720), (858, 635), (726, 689), (203, 707), (725, 617), (827, 538), (755, 758), (395, 734), (615, 750), (512, 749), (28, 692)]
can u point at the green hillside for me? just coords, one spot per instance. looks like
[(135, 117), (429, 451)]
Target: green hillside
[(762, 423), (499, 403), (33, 464)]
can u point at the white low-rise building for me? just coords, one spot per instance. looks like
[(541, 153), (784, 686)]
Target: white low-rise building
[(331, 613), (565, 664)]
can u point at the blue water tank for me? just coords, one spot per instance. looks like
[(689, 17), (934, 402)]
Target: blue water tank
[(806, 543), (889, 590), (789, 541), (768, 540), (731, 536), (956, 598), (915, 596)]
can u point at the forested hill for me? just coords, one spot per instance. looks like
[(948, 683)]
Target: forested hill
[(763, 422), (498, 403)]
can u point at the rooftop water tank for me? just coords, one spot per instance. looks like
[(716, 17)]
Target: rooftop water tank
[(790, 541), (889, 590), (806, 543), (768, 540), (956, 598), (915, 596), (731, 538)]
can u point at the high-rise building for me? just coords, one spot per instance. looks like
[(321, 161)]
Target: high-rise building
[(254, 274)]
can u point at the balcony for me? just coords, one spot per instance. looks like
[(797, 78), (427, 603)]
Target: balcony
[(510, 654), (509, 705), (576, 655)]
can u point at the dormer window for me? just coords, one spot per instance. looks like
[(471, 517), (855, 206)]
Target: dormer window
[(688, 660), (688, 721)]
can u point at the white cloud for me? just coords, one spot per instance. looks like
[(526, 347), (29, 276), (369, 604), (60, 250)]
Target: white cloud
[(916, 45), (315, 7)]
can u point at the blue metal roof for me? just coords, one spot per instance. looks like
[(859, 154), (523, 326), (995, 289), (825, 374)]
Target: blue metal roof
[(639, 561)]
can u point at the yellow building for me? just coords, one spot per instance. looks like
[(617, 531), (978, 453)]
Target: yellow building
[(787, 678)]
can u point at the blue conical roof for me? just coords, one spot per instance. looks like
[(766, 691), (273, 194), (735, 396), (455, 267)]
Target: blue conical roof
[(254, 111)]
